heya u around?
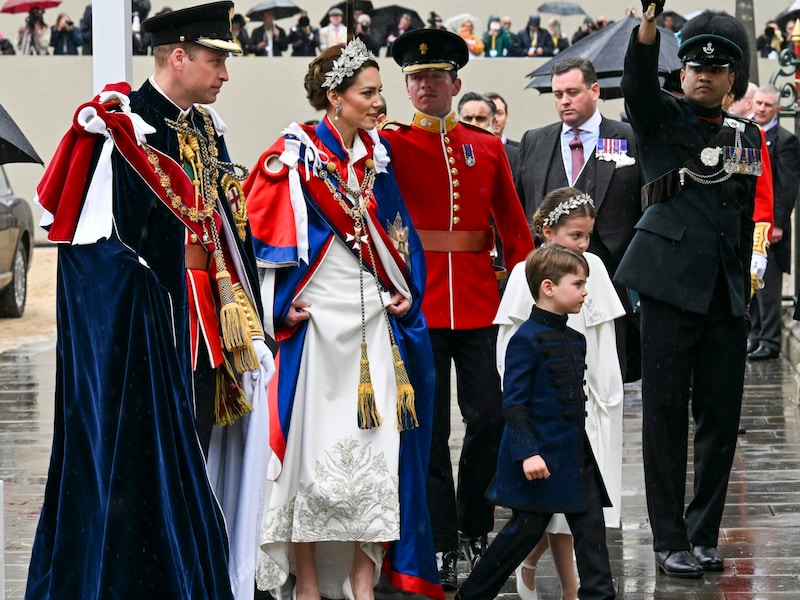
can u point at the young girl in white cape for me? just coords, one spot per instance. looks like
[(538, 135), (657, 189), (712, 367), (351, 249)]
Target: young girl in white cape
[(566, 217)]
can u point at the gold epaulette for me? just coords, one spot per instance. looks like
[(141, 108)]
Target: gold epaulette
[(476, 128), (393, 125)]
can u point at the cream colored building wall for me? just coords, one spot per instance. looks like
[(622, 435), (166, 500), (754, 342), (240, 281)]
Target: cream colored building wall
[(262, 97)]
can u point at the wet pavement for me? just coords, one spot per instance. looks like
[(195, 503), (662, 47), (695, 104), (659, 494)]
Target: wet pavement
[(760, 535)]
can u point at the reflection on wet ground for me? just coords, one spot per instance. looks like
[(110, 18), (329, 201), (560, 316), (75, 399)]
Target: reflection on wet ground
[(760, 535), (27, 381)]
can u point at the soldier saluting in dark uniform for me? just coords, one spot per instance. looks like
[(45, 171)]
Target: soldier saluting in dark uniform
[(690, 260)]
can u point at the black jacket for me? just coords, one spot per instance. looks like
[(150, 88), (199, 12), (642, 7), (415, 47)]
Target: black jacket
[(703, 234)]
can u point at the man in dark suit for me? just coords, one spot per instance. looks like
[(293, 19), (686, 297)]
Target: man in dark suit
[(690, 261), (269, 39), (605, 165), (764, 341), (499, 127)]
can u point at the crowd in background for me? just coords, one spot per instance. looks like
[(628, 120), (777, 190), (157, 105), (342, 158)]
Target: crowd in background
[(266, 38)]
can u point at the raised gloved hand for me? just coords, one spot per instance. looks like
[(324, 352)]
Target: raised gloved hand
[(658, 8)]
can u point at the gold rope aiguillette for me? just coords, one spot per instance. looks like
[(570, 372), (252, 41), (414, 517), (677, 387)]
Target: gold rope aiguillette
[(200, 152)]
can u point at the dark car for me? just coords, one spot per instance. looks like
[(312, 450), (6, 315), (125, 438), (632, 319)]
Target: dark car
[(16, 247)]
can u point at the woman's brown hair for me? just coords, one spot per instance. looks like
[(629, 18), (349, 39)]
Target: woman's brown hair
[(317, 71)]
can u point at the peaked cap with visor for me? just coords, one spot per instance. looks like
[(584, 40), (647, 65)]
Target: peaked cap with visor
[(430, 50), (208, 25)]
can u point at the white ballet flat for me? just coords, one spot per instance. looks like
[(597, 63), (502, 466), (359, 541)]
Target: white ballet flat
[(347, 589), (523, 591)]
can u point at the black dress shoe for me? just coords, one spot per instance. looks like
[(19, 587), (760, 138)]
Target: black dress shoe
[(678, 563), (763, 353), (472, 549), (448, 572), (752, 345), (708, 557)]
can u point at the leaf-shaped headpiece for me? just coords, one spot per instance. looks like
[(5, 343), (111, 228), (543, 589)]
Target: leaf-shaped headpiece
[(353, 56)]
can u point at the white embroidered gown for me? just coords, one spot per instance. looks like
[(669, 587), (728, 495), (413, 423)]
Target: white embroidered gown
[(339, 483)]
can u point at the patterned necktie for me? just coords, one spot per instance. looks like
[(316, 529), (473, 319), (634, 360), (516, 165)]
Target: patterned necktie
[(576, 147)]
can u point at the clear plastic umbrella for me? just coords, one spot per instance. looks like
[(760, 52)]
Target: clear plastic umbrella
[(454, 23)]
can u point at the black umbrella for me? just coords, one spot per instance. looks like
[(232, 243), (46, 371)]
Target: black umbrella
[(386, 16), (14, 146), (788, 14), (280, 9), (606, 50), (564, 9), (362, 5)]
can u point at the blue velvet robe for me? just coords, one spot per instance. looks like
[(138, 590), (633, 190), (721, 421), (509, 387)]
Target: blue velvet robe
[(128, 510)]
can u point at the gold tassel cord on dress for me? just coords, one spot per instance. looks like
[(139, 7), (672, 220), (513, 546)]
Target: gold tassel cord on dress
[(368, 417), (406, 410), (230, 402)]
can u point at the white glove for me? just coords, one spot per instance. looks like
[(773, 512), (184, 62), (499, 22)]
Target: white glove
[(261, 377), (758, 265)]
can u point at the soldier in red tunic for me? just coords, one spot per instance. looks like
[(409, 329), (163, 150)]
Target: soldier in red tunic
[(454, 179)]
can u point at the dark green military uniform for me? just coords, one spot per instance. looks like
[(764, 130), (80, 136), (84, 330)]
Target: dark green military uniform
[(690, 261)]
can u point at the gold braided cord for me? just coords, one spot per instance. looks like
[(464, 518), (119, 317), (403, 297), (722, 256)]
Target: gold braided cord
[(368, 416)]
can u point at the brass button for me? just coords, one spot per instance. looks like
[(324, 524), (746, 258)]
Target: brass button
[(456, 183), (193, 238), (451, 160), (456, 207), (456, 195), (446, 140), (454, 171), (449, 150), (456, 220)]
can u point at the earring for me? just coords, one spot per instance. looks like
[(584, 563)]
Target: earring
[(337, 110)]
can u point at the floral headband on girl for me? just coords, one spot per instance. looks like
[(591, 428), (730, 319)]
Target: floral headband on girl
[(566, 207)]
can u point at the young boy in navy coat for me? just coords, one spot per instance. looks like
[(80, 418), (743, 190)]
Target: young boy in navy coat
[(546, 465)]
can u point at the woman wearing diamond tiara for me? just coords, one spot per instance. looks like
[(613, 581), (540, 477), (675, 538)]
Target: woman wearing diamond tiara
[(566, 217), (350, 408)]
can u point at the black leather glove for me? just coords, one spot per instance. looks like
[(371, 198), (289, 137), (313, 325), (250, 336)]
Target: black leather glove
[(659, 5)]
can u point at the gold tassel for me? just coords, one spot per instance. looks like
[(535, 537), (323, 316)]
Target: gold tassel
[(230, 401), (245, 358), (232, 318), (406, 410), (368, 417)]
